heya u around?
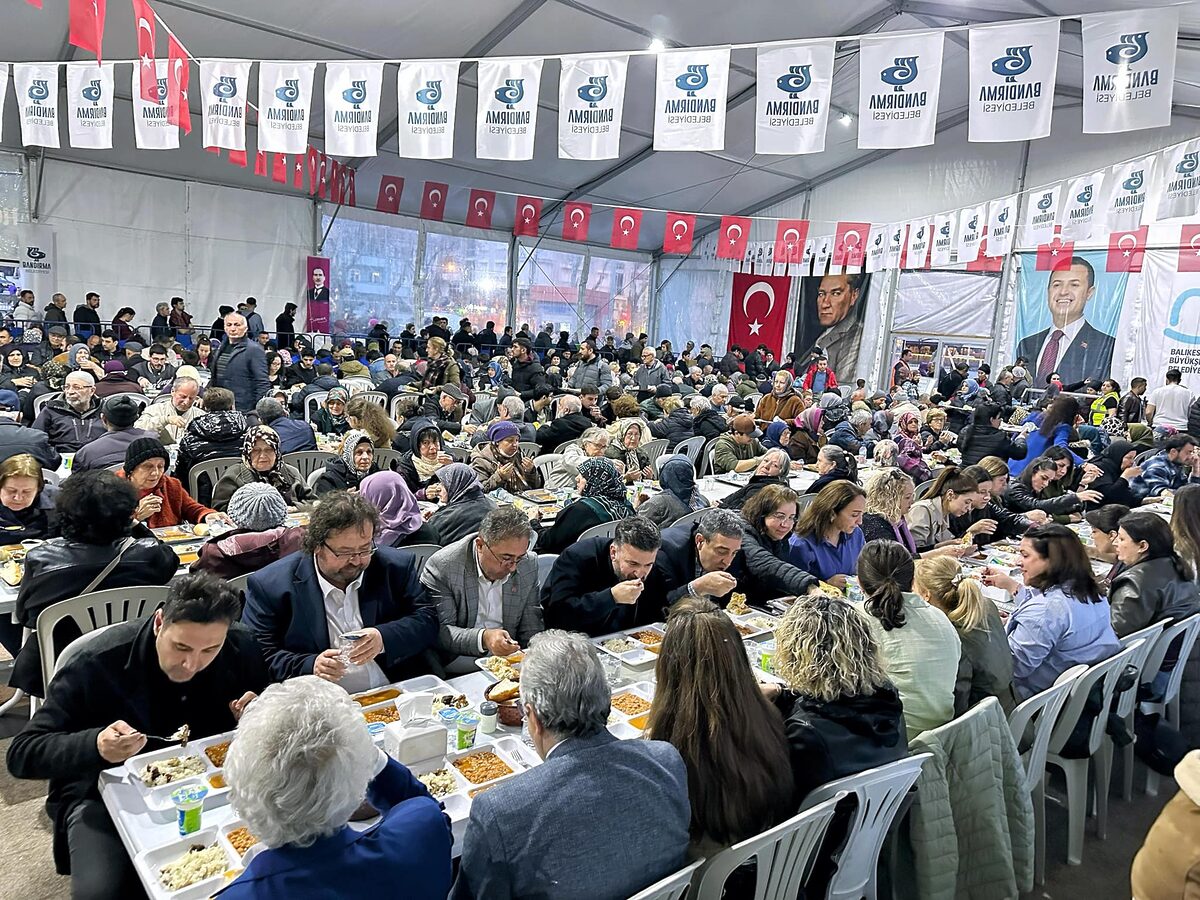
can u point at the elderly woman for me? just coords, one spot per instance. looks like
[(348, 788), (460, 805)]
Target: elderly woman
[(259, 537), (501, 464), (768, 519), (782, 403), (17, 374), (420, 465), (301, 765), (910, 449), (626, 410), (593, 443), (26, 502), (829, 536), (399, 514), (162, 499), (331, 417), (626, 449), (886, 454), (262, 462), (807, 436), (346, 472), (678, 496), (773, 468), (833, 464), (601, 499), (933, 434), (463, 503)]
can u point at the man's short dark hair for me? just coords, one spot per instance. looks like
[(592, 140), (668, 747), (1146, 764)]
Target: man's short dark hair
[(1174, 442), (985, 412), (201, 598), (269, 410), (337, 511), (224, 310), (324, 369), (1138, 382), (589, 390), (90, 294), (109, 334), (636, 532), (724, 522), (158, 349), (96, 507), (309, 353), (1174, 376), (218, 399)]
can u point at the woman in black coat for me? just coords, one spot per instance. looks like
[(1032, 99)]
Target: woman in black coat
[(769, 517), (285, 327), (984, 437), (676, 426), (346, 472), (1117, 465), (463, 503), (601, 499)]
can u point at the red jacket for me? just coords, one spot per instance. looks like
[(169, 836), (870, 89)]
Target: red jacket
[(178, 505), (830, 381)]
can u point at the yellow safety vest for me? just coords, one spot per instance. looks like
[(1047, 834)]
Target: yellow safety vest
[(1099, 410)]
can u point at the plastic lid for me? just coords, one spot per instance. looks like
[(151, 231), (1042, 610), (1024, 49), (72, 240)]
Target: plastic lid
[(466, 717), (191, 793), (488, 708)]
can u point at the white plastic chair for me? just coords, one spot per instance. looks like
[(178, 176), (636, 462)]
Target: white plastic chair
[(1185, 631), (72, 649), (660, 461), (239, 583), (314, 476), (1124, 705), (308, 461), (562, 448), (923, 488), (546, 563), (459, 454), (532, 449), (385, 457), (784, 856), (355, 386), (654, 449), (379, 398), (41, 401), (214, 469), (604, 529), (421, 552), (140, 400), (312, 403), (881, 792), (689, 518), (691, 448), (706, 459), (673, 887), (51, 477), (547, 463)]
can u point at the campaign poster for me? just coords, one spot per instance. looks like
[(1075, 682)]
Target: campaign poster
[(1162, 329), (830, 322), (317, 294)]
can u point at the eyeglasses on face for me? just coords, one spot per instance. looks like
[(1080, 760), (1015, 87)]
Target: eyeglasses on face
[(351, 554), (506, 559), (781, 516)]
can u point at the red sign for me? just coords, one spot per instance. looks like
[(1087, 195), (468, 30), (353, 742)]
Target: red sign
[(178, 72), (433, 200), (1127, 250), (479, 210), (626, 225), (577, 219), (735, 232), (678, 233), (850, 243), (758, 310), (317, 294), (1189, 249), (1055, 255), (147, 71)]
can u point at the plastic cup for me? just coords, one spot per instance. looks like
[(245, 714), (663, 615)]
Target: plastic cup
[(468, 725), (766, 656), (189, 804)]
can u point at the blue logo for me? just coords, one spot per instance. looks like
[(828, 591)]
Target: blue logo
[(1047, 200), (1085, 196), (39, 90), (512, 92), (35, 253), (1189, 164), (355, 94), (1134, 182), (594, 91), (1131, 49), (160, 92), (226, 88), (973, 224), (920, 232), (1016, 61), (431, 94), (92, 92), (902, 73), (1172, 330), (879, 239), (694, 79), (1003, 217), (945, 230), (796, 81), (290, 92)]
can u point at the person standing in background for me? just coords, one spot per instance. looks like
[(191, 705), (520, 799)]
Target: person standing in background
[(87, 316), (254, 322), (1167, 406), (285, 325), (240, 365), (181, 321)]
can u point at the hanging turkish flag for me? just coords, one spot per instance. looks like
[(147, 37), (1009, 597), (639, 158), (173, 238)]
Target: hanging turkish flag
[(37, 3), (279, 168), (335, 181), (758, 310), (147, 82), (314, 170), (983, 262), (349, 195), (626, 225), (1054, 255), (678, 233), (298, 173), (735, 232), (87, 25), (323, 182), (178, 73), (391, 187), (479, 210), (850, 243), (1127, 250), (577, 219), (260, 163), (1189, 249), (236, 157), (433, 200), (790, 237), (529, 216)]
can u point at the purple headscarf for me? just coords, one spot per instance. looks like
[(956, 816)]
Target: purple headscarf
[(399, 513)]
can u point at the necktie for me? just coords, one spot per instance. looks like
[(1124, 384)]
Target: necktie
[(1049, 357)]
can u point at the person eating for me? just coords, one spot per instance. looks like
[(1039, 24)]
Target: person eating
[(162, 499), (500, 463)]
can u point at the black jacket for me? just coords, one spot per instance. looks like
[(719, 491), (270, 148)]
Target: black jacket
[(831, 476), (432, 410), (577, 595), (1009, 524), (244, 372), (210, 436), (1150, 591), (338, 477), (729, 364), (297, 374), (15, 438), (875, 527), (574, 520), (949, 383), (977, 441), (675, 428), (462, 517), (563, 429), (87, 321), (527, 377), (67, 429), (1019, 497), (742, 495), (763, 571), (285, 330), (710, 424)]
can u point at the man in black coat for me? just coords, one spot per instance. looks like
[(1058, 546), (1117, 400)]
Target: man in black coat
[(325, 381), (240, 365), (709, 547), (527, 373), (190, 663), (568, 424), (16, 438), (597, 586), (86, 316), (302, 371)]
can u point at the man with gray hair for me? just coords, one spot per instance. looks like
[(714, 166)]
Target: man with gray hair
[(510, 409), (694, 558), (240, 365), (849, 433), (569, 423), (169, 418), (293, 434), (546, 824), (73, 419)]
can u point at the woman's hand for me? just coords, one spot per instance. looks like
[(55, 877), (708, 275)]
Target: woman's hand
[(983, 526), (1089, 496), (147, 507), (433, 492), (995, 578), (444, 458), (218, 517), (1038, 516)]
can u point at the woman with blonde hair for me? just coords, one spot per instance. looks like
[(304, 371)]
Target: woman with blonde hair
[(986, 667), (890, 495), (441, 367), (26, 502), (364, 415)]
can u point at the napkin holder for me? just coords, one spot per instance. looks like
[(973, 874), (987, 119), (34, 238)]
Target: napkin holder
[(415, 736)]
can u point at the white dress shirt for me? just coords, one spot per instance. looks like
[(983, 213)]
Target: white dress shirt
[(342, 615), (490, 612), (1070, 332)]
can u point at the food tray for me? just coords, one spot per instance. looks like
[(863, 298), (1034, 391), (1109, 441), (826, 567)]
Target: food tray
[(149, 862), (640, 654), (174, 534), (158, 799), (188, 552), (620, 722), (12, 572), (422, 684), (759, 631), (249, 854), (513, 659), (540, 495)]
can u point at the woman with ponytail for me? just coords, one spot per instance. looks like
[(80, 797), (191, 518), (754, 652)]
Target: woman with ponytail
[(918, 645), (986, 667)]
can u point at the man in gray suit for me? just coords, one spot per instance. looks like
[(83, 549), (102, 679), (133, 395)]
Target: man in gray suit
[(600, 818), (485, 587)]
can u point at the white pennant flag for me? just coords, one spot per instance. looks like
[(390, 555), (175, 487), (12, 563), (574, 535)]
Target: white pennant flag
[(1180, 192), (1013, 68), (90, 105), (810, 249), (916, 250), (1128, 69), (792, 100), (591, 105), (151, 130), (877, 246), (427, 96), (1129, 185), (223, 86), (690, 98), (899, 79), (1041, 213), (285, 91), (508, 106), (36, 85), (3, 94), (1001, 220), (944, 240), (352, 95), (895, 245), (822, 247), (1084, 195), (972, 221)]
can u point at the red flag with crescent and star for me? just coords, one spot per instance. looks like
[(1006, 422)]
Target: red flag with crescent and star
[(279, 168), (1054, 255), (577, 219), (529, 216), (678, 233), (479, 210), (1127, 250), (313, 161), (433, 200), (390, 189), (86, 24), (735, 232), (758, 310), (178, 73), (626, 225), (1189, 249), (147, 80), (850, 243), (790, 237)]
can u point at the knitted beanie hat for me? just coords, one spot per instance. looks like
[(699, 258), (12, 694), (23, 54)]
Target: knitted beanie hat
[(257, 506), (121, 412), (143, 449)]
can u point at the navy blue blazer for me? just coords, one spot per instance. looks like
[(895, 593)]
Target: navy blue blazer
[(286, 612)]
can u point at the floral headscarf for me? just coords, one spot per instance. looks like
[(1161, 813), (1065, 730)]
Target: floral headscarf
[(604, 487), (350, 443), (274, 475), (337, 393), (810, 421), (54, 374)]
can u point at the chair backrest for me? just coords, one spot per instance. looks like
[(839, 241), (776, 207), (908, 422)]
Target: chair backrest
[(51, 477), (531, 449), (1185, 631), (422, 552), (691, 448), (140, 400), (709, 466), (673, 887), (1149, 636), (880, 792), (654, 449), (1144, 455), (803, 502), (72, 649), (385, 457), (545, 564), (308, 461), (379, 398), (404, 404), (562, 448), (547, 463), (41, 401), (923, 488), (314, 476), (604, 529), (752, 401), (1043, 709), (1106, 672), (784, 856), (92, 611), (658, 463), (689, 518), (312, 403), (214, 469), (356, 386), (460, 454)]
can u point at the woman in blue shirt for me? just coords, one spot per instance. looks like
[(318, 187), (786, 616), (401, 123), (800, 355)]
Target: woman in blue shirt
[(1057, 430), (829, 537), (1061, 619)]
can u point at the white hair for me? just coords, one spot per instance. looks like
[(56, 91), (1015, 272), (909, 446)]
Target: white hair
[(785, 462), (301, 762), (699, 404), (83, 377), (720, 388), (568, 404), (515, 407), (597, 437), (562, 680), (859, 418)]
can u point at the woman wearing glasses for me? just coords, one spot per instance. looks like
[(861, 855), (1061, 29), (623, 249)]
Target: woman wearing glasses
[(770, 515)]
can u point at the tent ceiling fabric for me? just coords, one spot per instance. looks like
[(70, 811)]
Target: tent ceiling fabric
[(733, 180)]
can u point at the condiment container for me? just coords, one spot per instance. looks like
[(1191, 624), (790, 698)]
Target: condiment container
[(487, 716), (189, 803)]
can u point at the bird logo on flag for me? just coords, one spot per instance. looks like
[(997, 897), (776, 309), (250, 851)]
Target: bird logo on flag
[(1085, 196), (1015, 61), (356, 94), (226, 88), (945, 229), (35, 253), (160, 92), (39, 90), (1134, 182), (974, 223), (694, 79), (1130, 49), (902, 73), (1047, 200), (1189, 163), (511, 92), (879, 239), (290, 92), (92, 92), (1003, 217), (796, 81), (594, 91), (431, 94), (921, 232)]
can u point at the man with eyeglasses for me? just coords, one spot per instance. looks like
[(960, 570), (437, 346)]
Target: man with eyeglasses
[(343, 609), (485, 587)]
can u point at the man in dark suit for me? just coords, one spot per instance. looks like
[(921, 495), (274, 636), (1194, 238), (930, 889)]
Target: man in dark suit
[(342, 608), (545, 827), (240, 365), (695, 558), (1071, 346)]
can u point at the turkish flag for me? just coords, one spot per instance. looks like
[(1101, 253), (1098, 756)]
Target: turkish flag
[(983, 262), (1054, 255), (577, 219), (626, 225), (529, 216), (314, 170), (1189, 249), (734, 232), (479, 210), (37, 3), (790, 237), (758, 310), (236, 157), (391, 187), (298, 173), (87, 25), (216, 150), (1127, 250), (335, 181), (349, 195), (143, 16), (323, 178), (433, 200), (678, 233), (279, 168), (850, 243), (260, 163), (178, 73)]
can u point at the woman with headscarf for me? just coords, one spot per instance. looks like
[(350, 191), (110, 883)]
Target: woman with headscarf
[(500, 463), (1140, 435), (262, 462), (79, 358), (331, 417), (399, 514), (601, 499), (779, 434), (1117, 466), (463, 503), (807, 436), (908, 445), (17, 375), (346, 472), (420, 465), (627, 450), (678, 496), (54, 374)]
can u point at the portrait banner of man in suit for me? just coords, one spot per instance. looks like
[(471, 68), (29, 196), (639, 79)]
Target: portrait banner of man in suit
[(1067, 315), (832, 312)]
